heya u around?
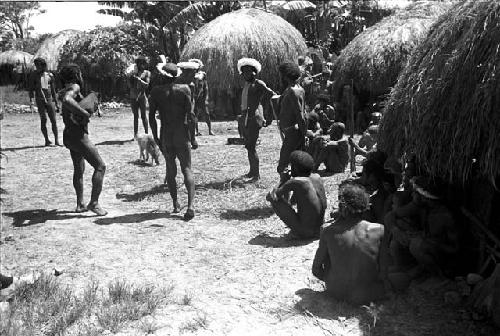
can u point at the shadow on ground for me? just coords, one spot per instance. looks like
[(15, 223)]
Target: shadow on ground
[(13, 149), (140, 163), (113, 142), (39, 216), (235, 182), (264, 239), (139, 196), (137, 218), (261, 212)]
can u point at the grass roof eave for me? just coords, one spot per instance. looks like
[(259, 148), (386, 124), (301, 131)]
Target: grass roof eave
[(445, 108)]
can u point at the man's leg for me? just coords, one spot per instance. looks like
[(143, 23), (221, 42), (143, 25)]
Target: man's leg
[(424, 255), (43, 121), (251, 136), (208, 120), (171, 173), (135, 111), (291, 219), (291, 142), (78, 170), (92, 156), (144, 117), (51, 111), (184, 155)]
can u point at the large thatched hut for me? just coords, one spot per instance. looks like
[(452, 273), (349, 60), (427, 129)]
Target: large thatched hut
[(445, 110), (13, 56), (373, 60), (8, 61), (52, 47), (244, 33)]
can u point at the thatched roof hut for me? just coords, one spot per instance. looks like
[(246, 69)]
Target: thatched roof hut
[(52, 47), (374, 59), (445, 108), (244, 33), (12, 56)]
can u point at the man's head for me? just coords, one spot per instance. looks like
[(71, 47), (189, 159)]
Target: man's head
[(169, 72), (248, 68), (373, 132), (301, 60), (71, 74), (372, 174), (189, 69), (337, 131), (302, 163), (289, 73), (40, 64), (353, 200), (312, 117), (323, 99), (141, 63)]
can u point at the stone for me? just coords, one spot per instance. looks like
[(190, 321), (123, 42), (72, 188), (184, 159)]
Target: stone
[(473, 279)]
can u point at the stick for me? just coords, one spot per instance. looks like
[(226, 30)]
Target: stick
[(353, 155)]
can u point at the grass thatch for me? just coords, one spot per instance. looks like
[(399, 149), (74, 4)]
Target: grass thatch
[(244, 33), (52, 47), (374, 58), (12, 56), (445, 106)]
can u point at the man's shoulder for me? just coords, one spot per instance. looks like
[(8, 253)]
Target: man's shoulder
[(371, 229), (184, 88)]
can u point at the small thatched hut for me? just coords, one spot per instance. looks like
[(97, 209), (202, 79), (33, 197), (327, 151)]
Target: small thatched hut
[(244, 33), (445, 108), (12, 56), (52, 47), (373, 60)]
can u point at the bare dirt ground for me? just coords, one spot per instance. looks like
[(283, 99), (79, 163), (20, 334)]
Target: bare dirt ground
[(232, 266)]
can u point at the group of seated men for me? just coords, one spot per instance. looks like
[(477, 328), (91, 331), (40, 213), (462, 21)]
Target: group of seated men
[(391, 226)]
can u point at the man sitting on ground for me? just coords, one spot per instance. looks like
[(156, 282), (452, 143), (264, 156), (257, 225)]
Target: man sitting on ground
[(367, 143), (334, 153), (326, 112), (309, 192), (347, 259)]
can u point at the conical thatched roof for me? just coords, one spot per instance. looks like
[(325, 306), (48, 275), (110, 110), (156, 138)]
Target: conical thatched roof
[(445, 108), (12, 56), (374, 58), (244, 33), (51, 48)]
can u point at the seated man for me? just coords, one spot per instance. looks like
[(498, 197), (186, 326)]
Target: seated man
[(326, 112), (347, 259), (334, 153), (313, 134), (367, 143), (309, 193)]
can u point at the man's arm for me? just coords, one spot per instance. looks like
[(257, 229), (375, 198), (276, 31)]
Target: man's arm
[(152, 117), (267, 93), (71, 104), (53, 91), (321, 259), (31, 86), (144, 82)]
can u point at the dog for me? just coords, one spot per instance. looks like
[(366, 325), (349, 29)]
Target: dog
[(148, 146)]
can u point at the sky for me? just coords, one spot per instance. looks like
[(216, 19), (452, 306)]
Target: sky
[(70, 15)]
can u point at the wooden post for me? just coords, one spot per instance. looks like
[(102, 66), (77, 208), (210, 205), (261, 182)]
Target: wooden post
[(353, 154)]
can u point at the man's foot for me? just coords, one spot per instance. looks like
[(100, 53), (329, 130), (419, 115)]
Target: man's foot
[(194, 144), (254, 178), (198, 134), (48, 143), (58, 144), (189, 214), (211, 133), (81, 208), (96, 208), (177, 207), (248, 175)]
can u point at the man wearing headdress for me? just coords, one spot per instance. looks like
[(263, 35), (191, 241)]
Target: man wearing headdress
[(254, 93), (42, 88), (292, 119), (200, 97), (348, 256), (173, 103), (139, 83)]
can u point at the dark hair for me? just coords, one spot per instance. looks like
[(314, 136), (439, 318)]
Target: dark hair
[(302, 162), (41, 61), (290, 70), (70, 73), (249, 66), (354, 197), (301, 60)]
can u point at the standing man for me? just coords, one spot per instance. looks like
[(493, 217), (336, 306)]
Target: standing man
[(189, 70), (252, 113), (42, 87), (292, 120), (173, 102), (139, 82), (201, 97)]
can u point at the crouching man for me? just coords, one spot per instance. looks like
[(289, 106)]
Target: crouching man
[(347, 259), (308, 191)]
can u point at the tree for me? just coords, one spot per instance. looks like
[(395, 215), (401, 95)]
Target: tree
[(15, 17)]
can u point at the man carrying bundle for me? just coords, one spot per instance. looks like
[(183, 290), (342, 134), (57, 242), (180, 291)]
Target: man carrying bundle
[(42, 87), (255, 91), (200, 97), (292, 120), (173, 102)]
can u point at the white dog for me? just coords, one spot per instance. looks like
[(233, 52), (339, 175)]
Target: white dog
[(148, 145)]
